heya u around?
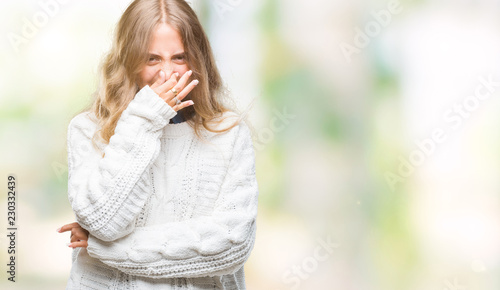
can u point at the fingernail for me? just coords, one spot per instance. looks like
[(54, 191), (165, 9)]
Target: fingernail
[(195, 82), (59, 229), (191, 102), (190, 72), (176, 75), (162, 74), (69, 244)]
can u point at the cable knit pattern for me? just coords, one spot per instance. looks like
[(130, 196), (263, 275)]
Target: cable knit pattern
[(163, 209)]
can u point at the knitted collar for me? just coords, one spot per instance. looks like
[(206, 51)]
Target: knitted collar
[(177, 129)]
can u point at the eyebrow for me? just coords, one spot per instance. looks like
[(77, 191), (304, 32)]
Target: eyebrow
[(181, 53)]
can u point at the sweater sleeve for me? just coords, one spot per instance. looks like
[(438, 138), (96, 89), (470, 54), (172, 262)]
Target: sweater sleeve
[(212, 245), (107, 193)]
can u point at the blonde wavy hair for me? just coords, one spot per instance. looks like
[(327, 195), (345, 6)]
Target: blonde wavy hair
[(120, 68)]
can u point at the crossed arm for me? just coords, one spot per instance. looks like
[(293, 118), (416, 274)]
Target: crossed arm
[(208, 246)]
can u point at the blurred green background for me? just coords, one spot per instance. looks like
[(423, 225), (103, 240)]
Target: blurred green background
[(377, 145)]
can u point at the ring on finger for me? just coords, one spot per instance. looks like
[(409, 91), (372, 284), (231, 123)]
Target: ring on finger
[(176, 101), (174, 91)]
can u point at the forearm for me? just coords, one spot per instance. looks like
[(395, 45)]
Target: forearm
[(170, 259), (107, 193)]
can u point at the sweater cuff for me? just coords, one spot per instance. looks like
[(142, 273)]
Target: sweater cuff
[(151, 99)]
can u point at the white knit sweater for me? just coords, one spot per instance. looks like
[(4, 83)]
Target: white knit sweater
[(164, 210)]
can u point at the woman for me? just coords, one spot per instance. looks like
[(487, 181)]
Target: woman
[(161, 172)]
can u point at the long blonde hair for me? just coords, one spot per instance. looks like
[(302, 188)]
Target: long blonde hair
[(120, 68)]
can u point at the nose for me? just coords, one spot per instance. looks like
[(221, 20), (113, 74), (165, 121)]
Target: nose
[(168, 69)]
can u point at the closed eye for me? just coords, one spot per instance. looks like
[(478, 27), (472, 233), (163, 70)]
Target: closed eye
[(154, 59), (179, 57)]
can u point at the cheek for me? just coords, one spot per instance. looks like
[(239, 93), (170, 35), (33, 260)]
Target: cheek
[(147, 75), (182, 69)]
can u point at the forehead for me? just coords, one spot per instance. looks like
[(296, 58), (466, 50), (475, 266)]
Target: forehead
[(165, 40)]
